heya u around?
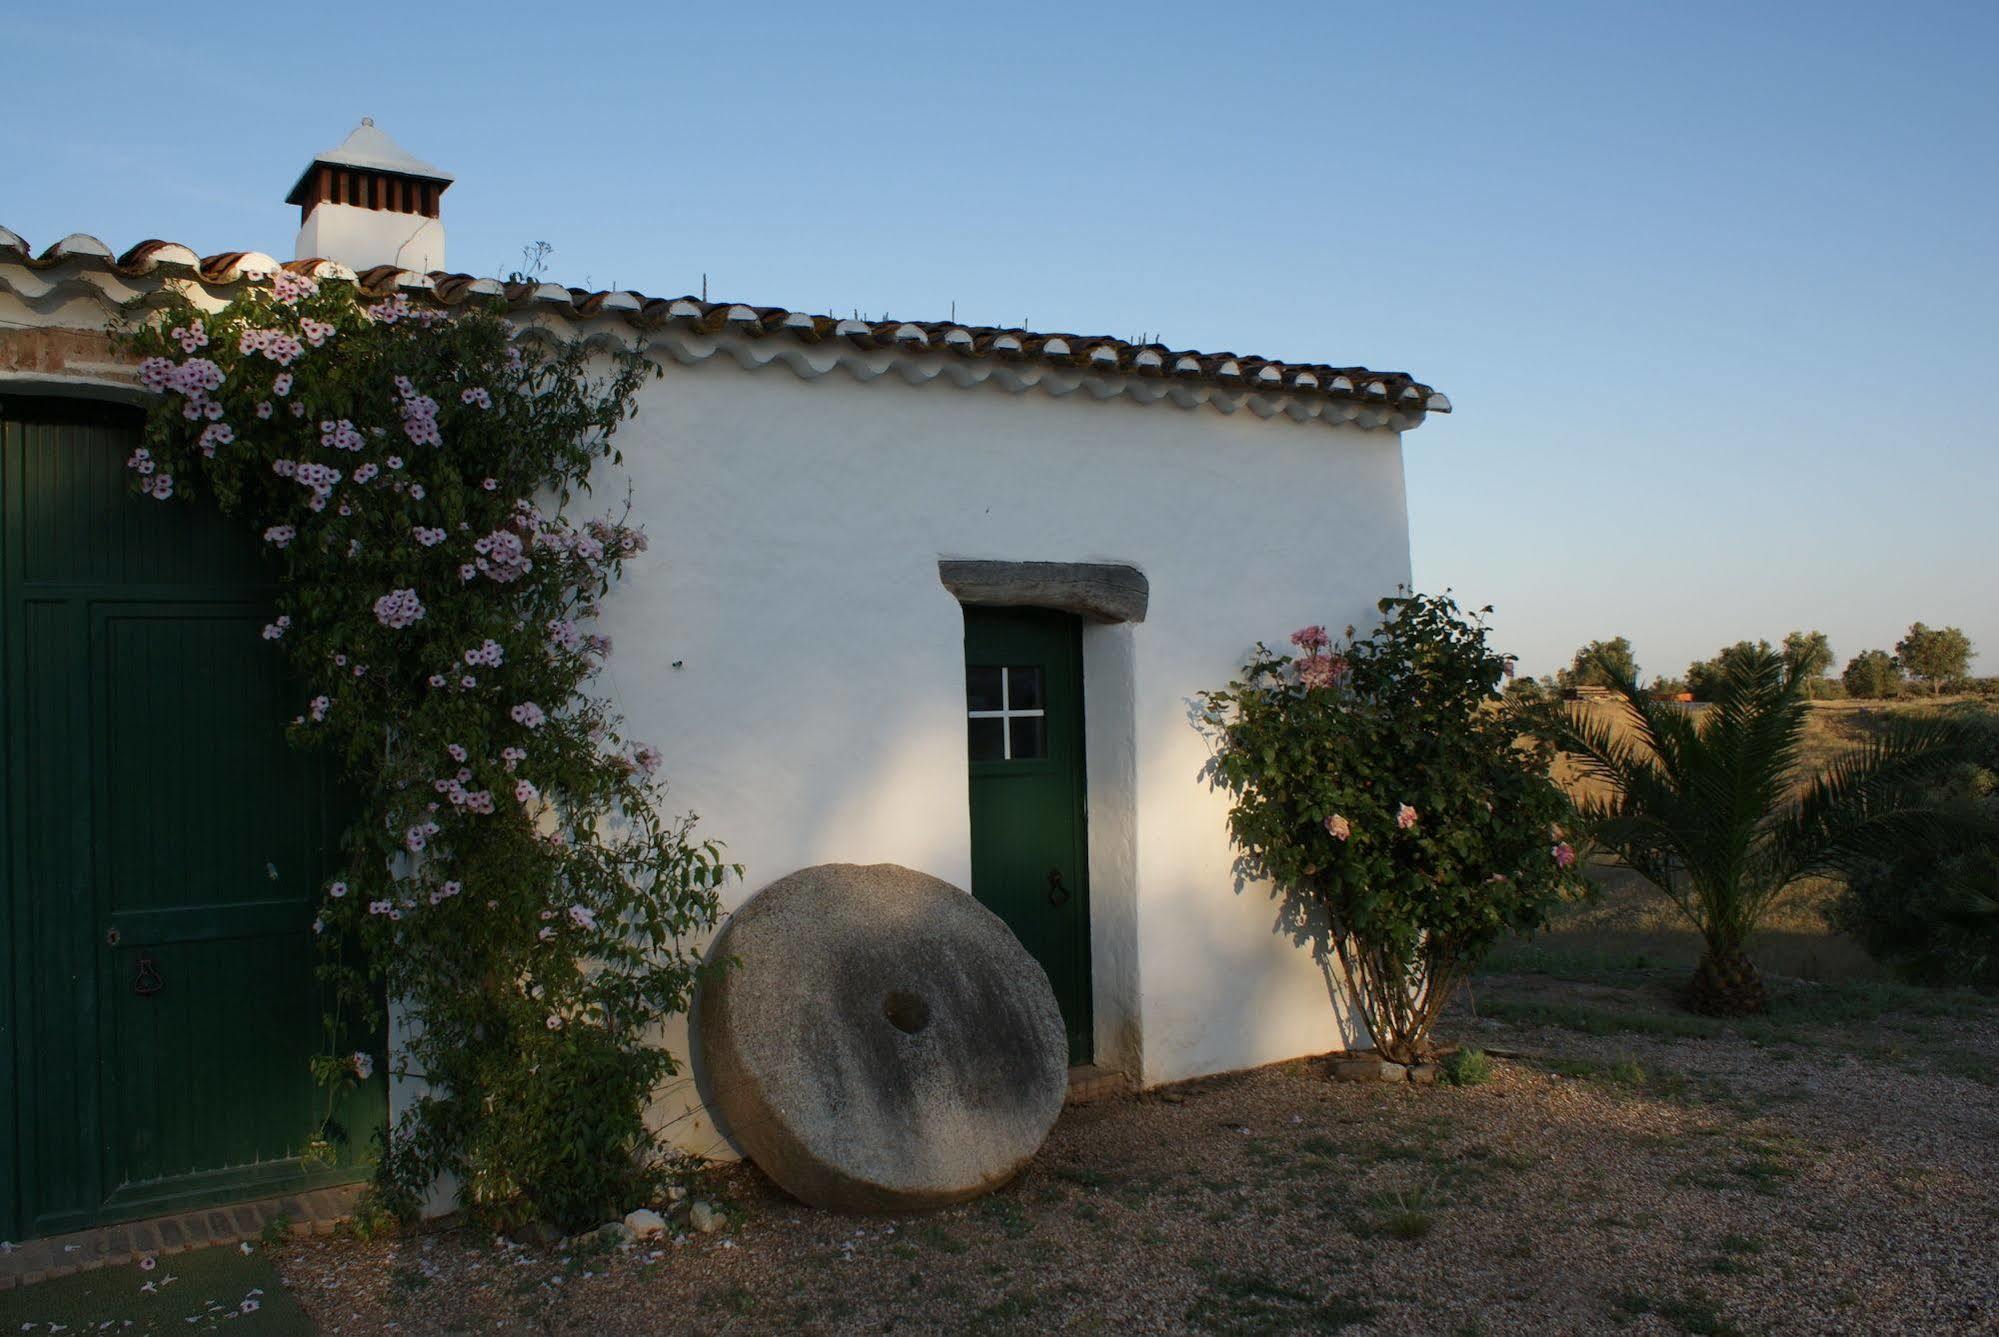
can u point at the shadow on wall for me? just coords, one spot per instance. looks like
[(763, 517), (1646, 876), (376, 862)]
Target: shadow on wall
[(1296, 916)]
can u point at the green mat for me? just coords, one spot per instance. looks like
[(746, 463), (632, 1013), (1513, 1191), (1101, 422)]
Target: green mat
[(220, 1288)]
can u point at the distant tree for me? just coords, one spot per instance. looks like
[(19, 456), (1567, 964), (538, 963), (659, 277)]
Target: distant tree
[(1525, 688), (1667, 687), (1935, 655), (1809, 654), (1871, 675), (1600, 664), (1706, 677)]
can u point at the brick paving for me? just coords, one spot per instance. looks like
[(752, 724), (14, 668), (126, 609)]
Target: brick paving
[(314, 1213)]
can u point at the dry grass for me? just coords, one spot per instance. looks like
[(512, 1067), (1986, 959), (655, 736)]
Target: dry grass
[(1628, 1169)]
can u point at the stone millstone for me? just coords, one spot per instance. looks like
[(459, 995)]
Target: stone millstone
[(884, 1043)]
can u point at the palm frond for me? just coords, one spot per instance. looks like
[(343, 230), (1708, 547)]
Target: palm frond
[(1870, 805)]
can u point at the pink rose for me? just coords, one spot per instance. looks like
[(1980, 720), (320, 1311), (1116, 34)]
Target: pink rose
[(1563, 854), (1405, 816), (1337, 827)]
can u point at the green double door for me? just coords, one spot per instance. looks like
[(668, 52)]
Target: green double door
[(1030, 850), (163, 850)]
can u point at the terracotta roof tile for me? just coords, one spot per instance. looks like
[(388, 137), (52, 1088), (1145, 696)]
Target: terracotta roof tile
[(1409, 398)]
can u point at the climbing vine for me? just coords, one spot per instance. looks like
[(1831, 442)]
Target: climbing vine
[(507, 876)]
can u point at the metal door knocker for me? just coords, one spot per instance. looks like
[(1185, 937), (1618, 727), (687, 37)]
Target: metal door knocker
[(1057, 893), (146, 981)]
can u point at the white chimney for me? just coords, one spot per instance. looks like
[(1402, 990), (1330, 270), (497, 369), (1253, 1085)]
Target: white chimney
[(369, 203)]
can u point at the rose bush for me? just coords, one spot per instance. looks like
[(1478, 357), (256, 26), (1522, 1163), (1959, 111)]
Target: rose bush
[(1381, 783), (508, 876)]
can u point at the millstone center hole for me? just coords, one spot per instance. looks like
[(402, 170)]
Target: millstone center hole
[(906, 1012)]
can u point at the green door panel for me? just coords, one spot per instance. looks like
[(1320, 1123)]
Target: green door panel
[(164, 850), (1024, 739)]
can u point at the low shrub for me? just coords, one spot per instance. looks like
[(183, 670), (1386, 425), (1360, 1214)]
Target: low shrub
[(1932, 915), (1391, 800), (1467, 1067)]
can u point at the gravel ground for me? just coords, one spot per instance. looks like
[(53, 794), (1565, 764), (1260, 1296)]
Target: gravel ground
[(1613, 1176)]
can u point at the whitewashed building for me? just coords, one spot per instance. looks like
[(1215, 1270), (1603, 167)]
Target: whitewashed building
[(920, 593)]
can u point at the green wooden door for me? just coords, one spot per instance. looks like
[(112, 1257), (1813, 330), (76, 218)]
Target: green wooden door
[(1030, 853), (164, 849)]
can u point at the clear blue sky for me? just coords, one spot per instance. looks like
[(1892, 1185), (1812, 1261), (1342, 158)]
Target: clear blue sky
[(1713, 286)]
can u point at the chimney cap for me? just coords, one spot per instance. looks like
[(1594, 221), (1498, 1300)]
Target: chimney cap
[(369, 149)]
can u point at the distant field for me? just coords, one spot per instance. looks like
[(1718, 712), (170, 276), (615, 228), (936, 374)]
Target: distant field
[(1630, 926)]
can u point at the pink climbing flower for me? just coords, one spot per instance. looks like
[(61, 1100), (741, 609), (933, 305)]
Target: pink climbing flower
[(1311, 638), (398, 609), (341, 435), (282, 386), (1563, 854), (290, 288), (529, 714), (525, 792), (1338, 827), (554, 1022), (337, 890), (476, 395), (1405, 816), (364, 1065), (582, 916), (457, 751)]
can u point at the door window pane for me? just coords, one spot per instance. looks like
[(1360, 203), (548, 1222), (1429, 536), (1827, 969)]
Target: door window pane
[(1023, 688), (987, 738), (983, 689), (1030, 737)]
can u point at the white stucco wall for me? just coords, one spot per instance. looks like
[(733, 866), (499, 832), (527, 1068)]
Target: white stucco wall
[(818, 716)]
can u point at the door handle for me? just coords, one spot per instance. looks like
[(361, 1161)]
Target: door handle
[(1057, 893), (146, 979)]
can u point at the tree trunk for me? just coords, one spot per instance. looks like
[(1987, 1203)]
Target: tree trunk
[(1726, 985)]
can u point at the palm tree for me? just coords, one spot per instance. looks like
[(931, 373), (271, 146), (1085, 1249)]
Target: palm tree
[(1720, 813)]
